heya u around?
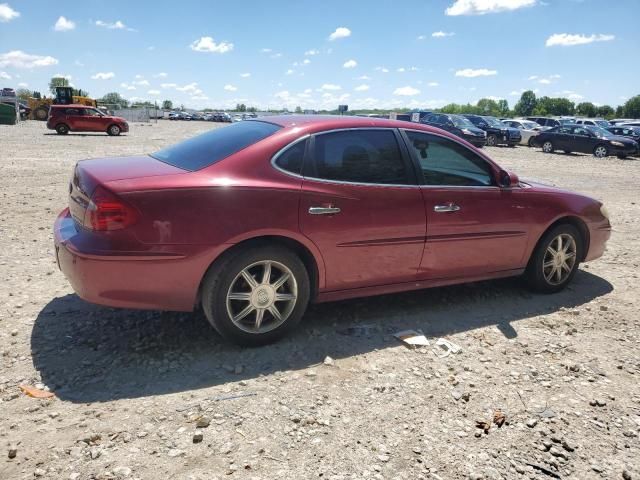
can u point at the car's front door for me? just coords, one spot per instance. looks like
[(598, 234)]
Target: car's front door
[(583, 140), (361, 206), (474, 227), (93, 120)]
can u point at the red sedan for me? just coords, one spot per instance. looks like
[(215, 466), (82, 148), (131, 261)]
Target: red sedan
[(254, 220)]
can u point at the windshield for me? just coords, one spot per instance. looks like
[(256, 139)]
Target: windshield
[(599, 132), (461, 122), (530, 125), (494, 122), (212, 146), (602, 123), (566, 121)]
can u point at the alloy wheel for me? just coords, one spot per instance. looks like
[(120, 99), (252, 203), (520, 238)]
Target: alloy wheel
[(559, 259), (547, 147), (262, 296), (600, 151)]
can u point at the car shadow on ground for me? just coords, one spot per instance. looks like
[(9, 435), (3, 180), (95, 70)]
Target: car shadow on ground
[(87, 353)]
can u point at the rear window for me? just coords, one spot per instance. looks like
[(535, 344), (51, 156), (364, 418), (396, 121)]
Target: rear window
[(211, 147)]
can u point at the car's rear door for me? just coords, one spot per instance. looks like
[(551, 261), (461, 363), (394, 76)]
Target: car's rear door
[(474, 227), (362, 208), (73, 118)]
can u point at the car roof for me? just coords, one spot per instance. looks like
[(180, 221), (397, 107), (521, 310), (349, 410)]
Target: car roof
[(72, 105), (326, 122)]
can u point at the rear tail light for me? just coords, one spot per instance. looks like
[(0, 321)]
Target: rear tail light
[(106, 212)]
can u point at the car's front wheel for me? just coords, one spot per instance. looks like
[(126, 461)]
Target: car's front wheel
[(113, 130), (601, 151), (492, 140), (256, 296), (530, 142), (547, 147), (555, 260)]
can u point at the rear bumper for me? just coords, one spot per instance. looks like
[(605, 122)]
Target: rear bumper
[(153, 281)]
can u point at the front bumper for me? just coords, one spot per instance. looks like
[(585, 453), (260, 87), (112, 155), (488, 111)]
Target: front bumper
[(153, 281), (599, 234), (475, 140)]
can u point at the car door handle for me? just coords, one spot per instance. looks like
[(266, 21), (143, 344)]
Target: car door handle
[(449, 207), (323, 210)]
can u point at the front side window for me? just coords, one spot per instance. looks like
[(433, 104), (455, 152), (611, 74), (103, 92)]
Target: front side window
[(291, 159), (72, 111), (358, 156), (215, 145), (447, 163)]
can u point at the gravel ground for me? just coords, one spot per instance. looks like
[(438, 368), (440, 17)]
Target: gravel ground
[(158, 395)]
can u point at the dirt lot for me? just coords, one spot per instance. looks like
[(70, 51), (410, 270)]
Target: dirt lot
[(135, 389)]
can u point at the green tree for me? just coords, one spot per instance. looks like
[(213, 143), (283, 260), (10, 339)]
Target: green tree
[(556, 106), (24, 93), (586, 109), (620, 111), (241, 107), (57, 82), (167, 105), (632, 107), (80, 93), (503, 108), (298, 109), (114, 98), (527, 104), (486, 106), (605, 111)]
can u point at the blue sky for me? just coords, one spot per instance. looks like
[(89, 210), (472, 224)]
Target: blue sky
[(318, 54)]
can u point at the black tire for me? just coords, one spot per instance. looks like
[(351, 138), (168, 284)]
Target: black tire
[(535, 274), (222, 276), (622, 156), (530, 143), (547, 146), (492, 140), (41, 113), (568, 152), (113, 130), (601, 151), (62, 129)]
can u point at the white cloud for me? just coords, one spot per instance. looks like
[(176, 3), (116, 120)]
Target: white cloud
[(400, 70), (5, 76), (548, 80), (7, 13), (192, 88), (266, 50), (126, 86), (138, 76), (482, 7), (154, 92), (363, 77), (245, 75), (63, 75), (207, 44), (569, 40), (479, 72), (64, 25), (330, 86), (289, 72), (441, 34), (199, 97), (340, 32), (571, 95), (230, 88), (309, 53), (362, 88), (276, 55), (382, 69), (23, 85), (142, 83), (20, 59), (117, 25), (421, 37), (350, 64), (103, 75), (168, 85), (306, 61), (161, 75), (406, 91), (433, 84)]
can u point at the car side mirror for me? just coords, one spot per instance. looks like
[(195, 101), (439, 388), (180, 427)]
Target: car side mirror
[(508, 179)]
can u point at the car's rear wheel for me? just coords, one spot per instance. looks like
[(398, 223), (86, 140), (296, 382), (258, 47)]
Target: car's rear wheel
[(555, 260), (113, 130), (492, 140), (256, 296), (62, 129), (547, 147), (601, 151)]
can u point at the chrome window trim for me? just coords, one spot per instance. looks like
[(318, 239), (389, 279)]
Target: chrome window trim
[(483, 187), (338, 182)]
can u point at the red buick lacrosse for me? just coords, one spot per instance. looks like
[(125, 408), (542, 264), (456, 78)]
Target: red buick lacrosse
[(255, 220)]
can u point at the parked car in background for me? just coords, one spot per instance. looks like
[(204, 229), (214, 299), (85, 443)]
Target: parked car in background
[(7, 92), (624, 131), (598, 122), (585, 139), (551, 122), (253, 221), (405, 117), (497, 132), (80, 118), (528, 129), (617, 121), (225, 117), (634, 123), (419, 116), (458, 125)]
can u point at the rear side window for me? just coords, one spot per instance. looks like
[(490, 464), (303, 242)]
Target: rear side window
[(72, 111), (291, 159), (211, 147), (358, 156)]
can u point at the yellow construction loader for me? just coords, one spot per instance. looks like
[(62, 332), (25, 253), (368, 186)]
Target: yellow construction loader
[(64, 96)]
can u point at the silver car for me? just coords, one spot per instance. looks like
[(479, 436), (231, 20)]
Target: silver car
[(528, 129)]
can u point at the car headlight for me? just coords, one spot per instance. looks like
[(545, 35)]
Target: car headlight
[(485, 133), (604, 212), (617, 143)]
